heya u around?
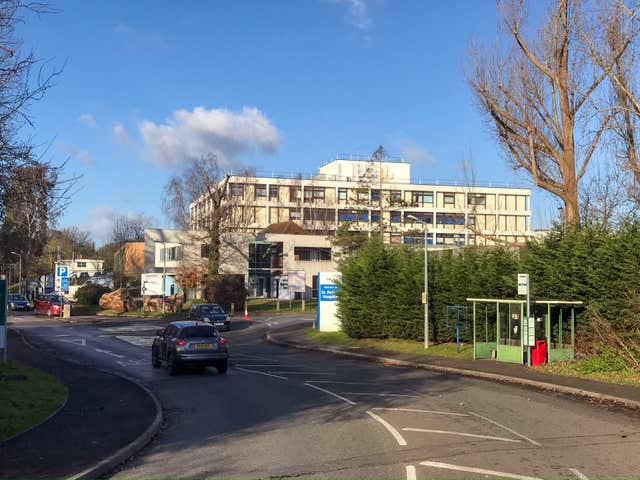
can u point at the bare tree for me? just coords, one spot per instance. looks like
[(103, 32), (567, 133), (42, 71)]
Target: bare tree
[(541, 95)]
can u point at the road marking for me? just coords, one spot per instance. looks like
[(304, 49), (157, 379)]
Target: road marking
[(341, 383), (64, 335), (411, 472), (421, 411), (578, 474), (506, 428), (481, 471), (302, 373), (462, 434), (138, 341), (108, 352), (76, 341), (396, 434), (350, 402), (261, 373), (380, 394), (255, 357), (130, 328), (129, 363)]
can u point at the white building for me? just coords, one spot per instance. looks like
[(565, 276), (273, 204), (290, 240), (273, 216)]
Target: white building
[(83, 268), (370, 195)]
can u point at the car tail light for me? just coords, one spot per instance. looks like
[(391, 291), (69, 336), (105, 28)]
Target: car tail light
[(181, 342), (222, 341)]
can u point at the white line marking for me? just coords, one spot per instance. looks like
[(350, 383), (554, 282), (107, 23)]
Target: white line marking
[(76, 341), (399, 438), (331, 393), (462, 434), (506, 428), (64, 335), (109, 352), (578, 474), (481, 471), (261, 373), (379, 394), (301, 373), (415, 410), (341, 383), (411, 472)]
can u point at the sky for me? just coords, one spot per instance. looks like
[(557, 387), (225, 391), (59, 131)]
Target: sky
[(280, 86)]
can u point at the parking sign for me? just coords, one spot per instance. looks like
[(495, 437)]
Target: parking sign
[(62, 271)]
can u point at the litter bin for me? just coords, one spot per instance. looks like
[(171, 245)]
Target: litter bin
[(539, 353)]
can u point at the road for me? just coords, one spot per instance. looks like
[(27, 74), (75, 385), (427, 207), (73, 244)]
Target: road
[(286, 413)]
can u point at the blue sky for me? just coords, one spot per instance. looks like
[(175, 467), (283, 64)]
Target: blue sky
[(281, 86)]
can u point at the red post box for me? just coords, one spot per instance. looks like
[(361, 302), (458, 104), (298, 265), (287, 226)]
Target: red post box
[(539, 353)]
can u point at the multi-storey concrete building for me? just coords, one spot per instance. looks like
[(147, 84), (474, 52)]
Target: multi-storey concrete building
[(378, 195)]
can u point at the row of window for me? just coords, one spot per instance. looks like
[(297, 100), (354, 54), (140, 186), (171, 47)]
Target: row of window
[(362, 195)]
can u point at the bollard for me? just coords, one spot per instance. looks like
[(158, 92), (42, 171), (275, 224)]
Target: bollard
[(278, 305), (303, 304), (232, 309)]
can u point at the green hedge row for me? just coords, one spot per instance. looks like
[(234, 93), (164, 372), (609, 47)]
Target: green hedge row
[(380, 292)]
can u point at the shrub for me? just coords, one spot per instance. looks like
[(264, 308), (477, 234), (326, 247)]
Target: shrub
[(225, 290), (90, 294), (606, 361)]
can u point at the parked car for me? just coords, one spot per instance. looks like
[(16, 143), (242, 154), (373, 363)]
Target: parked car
[(49, 304), (189, 343), (211, 313), (18, 301)]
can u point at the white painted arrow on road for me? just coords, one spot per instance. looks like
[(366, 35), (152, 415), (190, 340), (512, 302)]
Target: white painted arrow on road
[(108, 352), (76, 341)]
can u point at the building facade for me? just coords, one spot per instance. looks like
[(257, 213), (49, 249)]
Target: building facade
[(373, 196)]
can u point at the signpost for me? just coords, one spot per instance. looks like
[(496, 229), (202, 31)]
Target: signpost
[(529, 331), (61, 278), (3, 319), (327, 320)]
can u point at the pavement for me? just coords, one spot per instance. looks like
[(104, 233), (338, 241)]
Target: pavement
[(625, 395), (103, 414)]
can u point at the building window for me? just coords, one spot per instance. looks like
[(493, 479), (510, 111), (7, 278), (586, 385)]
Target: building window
[(261, 190), (396, 217), (425, 217), (81, 264), (342, 194), (471, 220), (477, 199), (449, 219), (294, 194), (319, 215), (313, 193), (346, 215), (395, 238), (375, 216), (311, 254), (294, 214), (449, 199), (273, 191), (237, 190), (422, 197), (171, 254), (308, 194), (375, 195), (363, 195), (363, 216), (395, 196)]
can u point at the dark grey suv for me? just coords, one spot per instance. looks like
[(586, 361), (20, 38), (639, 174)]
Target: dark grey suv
[(189, 343)]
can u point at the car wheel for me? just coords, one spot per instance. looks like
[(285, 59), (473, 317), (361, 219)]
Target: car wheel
[(174, 368), (222, 367), (48, 312), (155, 361)]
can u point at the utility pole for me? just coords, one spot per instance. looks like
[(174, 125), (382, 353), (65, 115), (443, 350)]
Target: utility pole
[(164, 272)]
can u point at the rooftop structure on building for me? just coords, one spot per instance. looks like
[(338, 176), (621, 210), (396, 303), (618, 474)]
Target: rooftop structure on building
[(372, 195)]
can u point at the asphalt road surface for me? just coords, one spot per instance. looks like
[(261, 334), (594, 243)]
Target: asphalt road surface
[(286, 413)]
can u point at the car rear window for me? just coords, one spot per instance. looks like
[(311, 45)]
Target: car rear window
[(210, 309), (17, 298), (198, 332)]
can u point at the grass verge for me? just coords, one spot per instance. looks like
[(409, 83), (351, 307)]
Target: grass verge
[(393, 344), (27, 397), (626, 376), (269, 305), (115, 313)]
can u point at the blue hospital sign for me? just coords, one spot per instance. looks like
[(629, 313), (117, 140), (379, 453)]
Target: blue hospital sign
[(328, 292), (328, 302)]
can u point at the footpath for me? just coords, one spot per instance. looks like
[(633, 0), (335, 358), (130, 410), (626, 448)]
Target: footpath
[(103, 415), (600, 392)]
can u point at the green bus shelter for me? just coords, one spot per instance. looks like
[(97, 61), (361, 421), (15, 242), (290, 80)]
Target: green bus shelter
[(501, 332)]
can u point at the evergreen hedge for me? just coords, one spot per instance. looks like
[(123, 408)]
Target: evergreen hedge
[(380, 291)]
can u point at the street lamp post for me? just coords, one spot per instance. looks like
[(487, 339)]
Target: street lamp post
[(164, 272), (19, 271), (426, 282)]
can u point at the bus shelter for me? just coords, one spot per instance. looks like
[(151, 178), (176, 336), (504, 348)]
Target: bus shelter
[(501, 332)]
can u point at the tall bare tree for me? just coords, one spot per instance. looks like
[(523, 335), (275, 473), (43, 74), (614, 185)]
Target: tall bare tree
[(541, 95)]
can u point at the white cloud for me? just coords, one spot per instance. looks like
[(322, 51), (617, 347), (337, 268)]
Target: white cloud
[(188, 135), (359, 12), (82, 156), (415, 154), (120, 133), (88, 120), (100, 223)]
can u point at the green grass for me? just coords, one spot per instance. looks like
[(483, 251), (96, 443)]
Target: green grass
[(268, 305), (115, 313), (579, 369), (393, 344), (79, 309), (27, 397)]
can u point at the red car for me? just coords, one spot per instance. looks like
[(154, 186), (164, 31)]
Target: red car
[(49, 305)]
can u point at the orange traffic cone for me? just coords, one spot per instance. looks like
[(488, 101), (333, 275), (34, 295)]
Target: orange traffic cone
[(246, 312)]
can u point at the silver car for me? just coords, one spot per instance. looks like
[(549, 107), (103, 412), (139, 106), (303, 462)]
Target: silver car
[(186, 343)]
